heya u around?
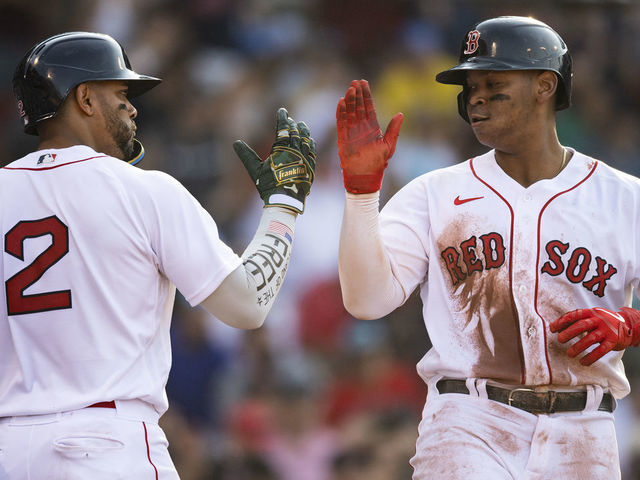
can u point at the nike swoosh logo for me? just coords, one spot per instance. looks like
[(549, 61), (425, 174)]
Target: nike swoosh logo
[(460, 201), (615, 315)]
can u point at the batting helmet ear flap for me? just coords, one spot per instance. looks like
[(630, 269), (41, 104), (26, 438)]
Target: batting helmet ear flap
[(462, 104)]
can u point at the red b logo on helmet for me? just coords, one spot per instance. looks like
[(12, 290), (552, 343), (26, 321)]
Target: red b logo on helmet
[(472, 42)]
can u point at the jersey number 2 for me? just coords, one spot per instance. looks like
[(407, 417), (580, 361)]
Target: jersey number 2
[(17, 302)]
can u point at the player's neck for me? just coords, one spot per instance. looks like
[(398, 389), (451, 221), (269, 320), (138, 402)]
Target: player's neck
[(63, 135), (530, 164)]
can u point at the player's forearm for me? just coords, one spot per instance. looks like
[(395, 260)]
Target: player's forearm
[(369, 289), (246, 296)]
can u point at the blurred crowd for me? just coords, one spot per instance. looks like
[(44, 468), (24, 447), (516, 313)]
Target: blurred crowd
[(315, 394)]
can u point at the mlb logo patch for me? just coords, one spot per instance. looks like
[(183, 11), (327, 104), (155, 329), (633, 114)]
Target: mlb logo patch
[(47, 158)]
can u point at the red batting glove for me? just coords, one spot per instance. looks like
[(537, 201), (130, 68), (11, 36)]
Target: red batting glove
[(612, 330), (364, 151)]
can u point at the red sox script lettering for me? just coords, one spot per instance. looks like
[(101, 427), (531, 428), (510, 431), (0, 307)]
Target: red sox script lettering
[(492, 256), (577, 266), (463, 260)]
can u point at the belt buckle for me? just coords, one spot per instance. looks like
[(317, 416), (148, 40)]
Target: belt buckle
[(550, 400), (521, 389)]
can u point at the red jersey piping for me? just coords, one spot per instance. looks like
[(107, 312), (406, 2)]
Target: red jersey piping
[(54, 166), (513, 302), (535, 298)]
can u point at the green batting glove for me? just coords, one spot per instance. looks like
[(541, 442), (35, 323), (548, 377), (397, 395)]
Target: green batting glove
[(284, 178)]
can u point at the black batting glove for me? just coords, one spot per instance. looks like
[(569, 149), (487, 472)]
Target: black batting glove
[(284, 178)]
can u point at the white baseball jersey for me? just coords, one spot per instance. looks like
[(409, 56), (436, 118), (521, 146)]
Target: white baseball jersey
[(497, 262), (92, 252)]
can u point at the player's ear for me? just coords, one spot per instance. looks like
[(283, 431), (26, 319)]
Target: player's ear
[(546, 86), (84, 97)]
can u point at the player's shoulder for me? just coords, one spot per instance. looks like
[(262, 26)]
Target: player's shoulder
[(79, 158), (95, 167), (608, 173)]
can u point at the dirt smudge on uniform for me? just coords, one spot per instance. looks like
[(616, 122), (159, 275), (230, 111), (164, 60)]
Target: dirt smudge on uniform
[(486, 326), (554, 301)]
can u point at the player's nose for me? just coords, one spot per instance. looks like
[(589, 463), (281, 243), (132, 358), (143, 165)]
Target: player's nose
[(133, 113), (476, 97)]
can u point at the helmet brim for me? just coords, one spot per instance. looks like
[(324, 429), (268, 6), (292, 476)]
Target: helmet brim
[(458, 74), (139, 84)]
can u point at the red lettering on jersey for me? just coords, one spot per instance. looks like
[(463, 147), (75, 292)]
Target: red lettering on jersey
[(18, 303), (601, 277), (450, 256), (469, 256), (493, 249), (493, 256), (555, 249), (472, 42), (578, 265)]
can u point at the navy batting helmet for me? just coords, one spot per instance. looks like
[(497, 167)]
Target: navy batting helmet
[(51, 69), (512, 43)]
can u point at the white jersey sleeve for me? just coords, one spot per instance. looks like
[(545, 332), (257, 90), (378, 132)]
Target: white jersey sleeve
[(183, 237), (404, 222)]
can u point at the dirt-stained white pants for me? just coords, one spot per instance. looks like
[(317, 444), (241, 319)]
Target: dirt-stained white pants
[(91, 443), (469, 436)]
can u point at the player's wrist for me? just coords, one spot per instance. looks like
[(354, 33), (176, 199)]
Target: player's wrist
[(362, 183), (284, 201), (280, 213), (364, 205), (632, 316)]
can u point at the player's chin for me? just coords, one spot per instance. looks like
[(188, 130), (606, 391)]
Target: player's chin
[(484, 137), (126, 149)]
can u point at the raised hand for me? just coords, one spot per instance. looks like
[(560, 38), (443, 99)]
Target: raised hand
[(284, 178), (364, 151), (611, 330)]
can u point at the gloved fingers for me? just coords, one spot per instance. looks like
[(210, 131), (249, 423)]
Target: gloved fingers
[(294, 134), (368, 101), (360, 110), (584, 343), (575, 329), (305, 134), (568, 318), (350, 100), (597, 353), (308, 146), (341, 120), (249, 158), (282, 127), (392, 132)]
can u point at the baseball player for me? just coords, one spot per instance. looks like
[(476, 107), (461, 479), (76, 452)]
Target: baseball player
[(93, 250), (525, 269)]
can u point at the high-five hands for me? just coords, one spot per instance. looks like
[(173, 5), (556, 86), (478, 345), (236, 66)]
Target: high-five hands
[(611, 330), (285, 177), (364, 151)]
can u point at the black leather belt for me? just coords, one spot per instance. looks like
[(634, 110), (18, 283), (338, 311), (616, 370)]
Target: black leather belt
[(528, 399)]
